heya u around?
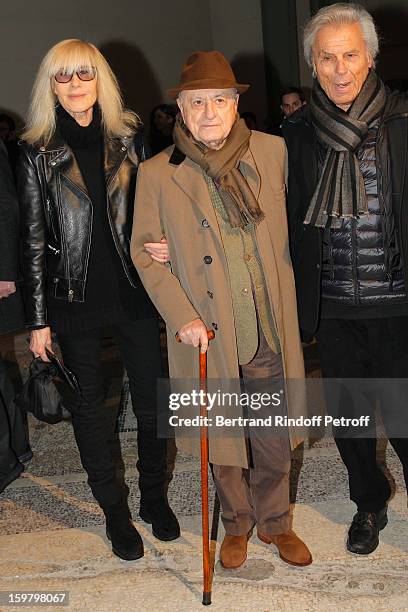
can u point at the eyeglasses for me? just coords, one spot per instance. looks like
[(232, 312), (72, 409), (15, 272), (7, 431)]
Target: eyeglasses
[(83, 74)]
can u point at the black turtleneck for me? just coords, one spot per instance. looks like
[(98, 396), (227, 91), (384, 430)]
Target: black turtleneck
[(109, 296)]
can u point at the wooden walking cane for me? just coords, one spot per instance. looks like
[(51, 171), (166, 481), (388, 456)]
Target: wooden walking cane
[(204, 476), (204, 479)]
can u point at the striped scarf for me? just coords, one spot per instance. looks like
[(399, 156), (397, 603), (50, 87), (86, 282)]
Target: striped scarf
[(340, 192)]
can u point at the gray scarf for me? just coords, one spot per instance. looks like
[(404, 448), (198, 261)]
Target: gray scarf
[(340, 192)]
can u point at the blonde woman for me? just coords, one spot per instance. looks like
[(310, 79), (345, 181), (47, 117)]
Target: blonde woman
[(76, 180)]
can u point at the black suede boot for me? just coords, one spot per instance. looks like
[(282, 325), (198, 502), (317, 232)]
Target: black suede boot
[(158, 513), (126, 541)]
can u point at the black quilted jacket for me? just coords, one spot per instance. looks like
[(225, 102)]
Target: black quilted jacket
[(392, 178)]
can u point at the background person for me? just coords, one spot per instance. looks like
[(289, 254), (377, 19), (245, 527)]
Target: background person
[(292, 98), (13, 440), (9, 137), (162, 120)]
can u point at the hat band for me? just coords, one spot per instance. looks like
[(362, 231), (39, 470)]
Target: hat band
[(215, 82)]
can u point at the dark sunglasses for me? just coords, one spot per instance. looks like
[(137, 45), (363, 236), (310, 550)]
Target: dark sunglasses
[(84, 74)]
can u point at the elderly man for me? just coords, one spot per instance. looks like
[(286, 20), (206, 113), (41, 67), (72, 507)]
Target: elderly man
[(218, 196), (348, 221)]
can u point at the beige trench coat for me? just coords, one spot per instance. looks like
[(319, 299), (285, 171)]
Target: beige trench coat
[(172, 200)]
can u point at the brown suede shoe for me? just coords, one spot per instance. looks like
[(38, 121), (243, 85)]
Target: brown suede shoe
[(291, 548), (233, 551)]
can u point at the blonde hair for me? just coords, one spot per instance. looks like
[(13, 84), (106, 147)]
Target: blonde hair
[(70, 55)]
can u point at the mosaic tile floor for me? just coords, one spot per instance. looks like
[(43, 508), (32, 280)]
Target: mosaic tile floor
[(52, 531)]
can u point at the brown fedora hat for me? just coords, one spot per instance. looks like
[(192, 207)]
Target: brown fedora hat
[(207, 70)]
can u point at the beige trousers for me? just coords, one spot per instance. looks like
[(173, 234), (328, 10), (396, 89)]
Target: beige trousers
[(260, 494)]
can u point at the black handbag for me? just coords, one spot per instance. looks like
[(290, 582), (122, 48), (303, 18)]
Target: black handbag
[(47, 389)]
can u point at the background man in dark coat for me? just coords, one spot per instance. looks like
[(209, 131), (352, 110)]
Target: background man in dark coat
[(12, 435), (348, 220)]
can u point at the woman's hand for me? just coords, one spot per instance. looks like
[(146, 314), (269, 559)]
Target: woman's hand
[(40, 340), (159, 251)]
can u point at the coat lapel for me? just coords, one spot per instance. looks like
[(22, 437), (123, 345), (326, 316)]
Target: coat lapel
[(248, 168), (65, 163), (189, 178)]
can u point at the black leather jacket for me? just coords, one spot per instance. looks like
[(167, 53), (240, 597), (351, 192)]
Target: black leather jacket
[(56, 218)]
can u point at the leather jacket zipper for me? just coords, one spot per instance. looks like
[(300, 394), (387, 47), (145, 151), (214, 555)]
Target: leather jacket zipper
[(118, 249), (86, 195)]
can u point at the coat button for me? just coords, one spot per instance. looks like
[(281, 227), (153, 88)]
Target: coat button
[(215, 326), (318, 266), (123, 149), (210, 294), (247, 257), (244, 291), (205, 223), (52, 163), (207, 259)]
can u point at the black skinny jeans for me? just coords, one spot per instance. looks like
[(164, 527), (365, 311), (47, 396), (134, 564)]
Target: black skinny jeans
[(94, 424), (10, 466), (368, 348)]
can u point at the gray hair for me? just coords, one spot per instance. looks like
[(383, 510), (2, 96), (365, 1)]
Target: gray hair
[(337, 14)]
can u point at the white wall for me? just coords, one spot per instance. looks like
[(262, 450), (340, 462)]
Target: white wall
[(237, 32), (145, 41)]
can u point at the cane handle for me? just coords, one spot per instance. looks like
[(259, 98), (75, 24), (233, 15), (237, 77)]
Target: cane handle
[(210, 335)]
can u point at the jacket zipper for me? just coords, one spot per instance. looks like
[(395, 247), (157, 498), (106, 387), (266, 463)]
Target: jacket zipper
[(354, 259), (401, 239), (63, 245), (115, 241), (71, 291), (380, 196), (110, 220)]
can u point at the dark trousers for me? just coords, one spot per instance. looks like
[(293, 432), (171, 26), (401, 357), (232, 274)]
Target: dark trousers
[(260, 494), (369, 348), (94, 423), (10, 466), (14, 445)]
